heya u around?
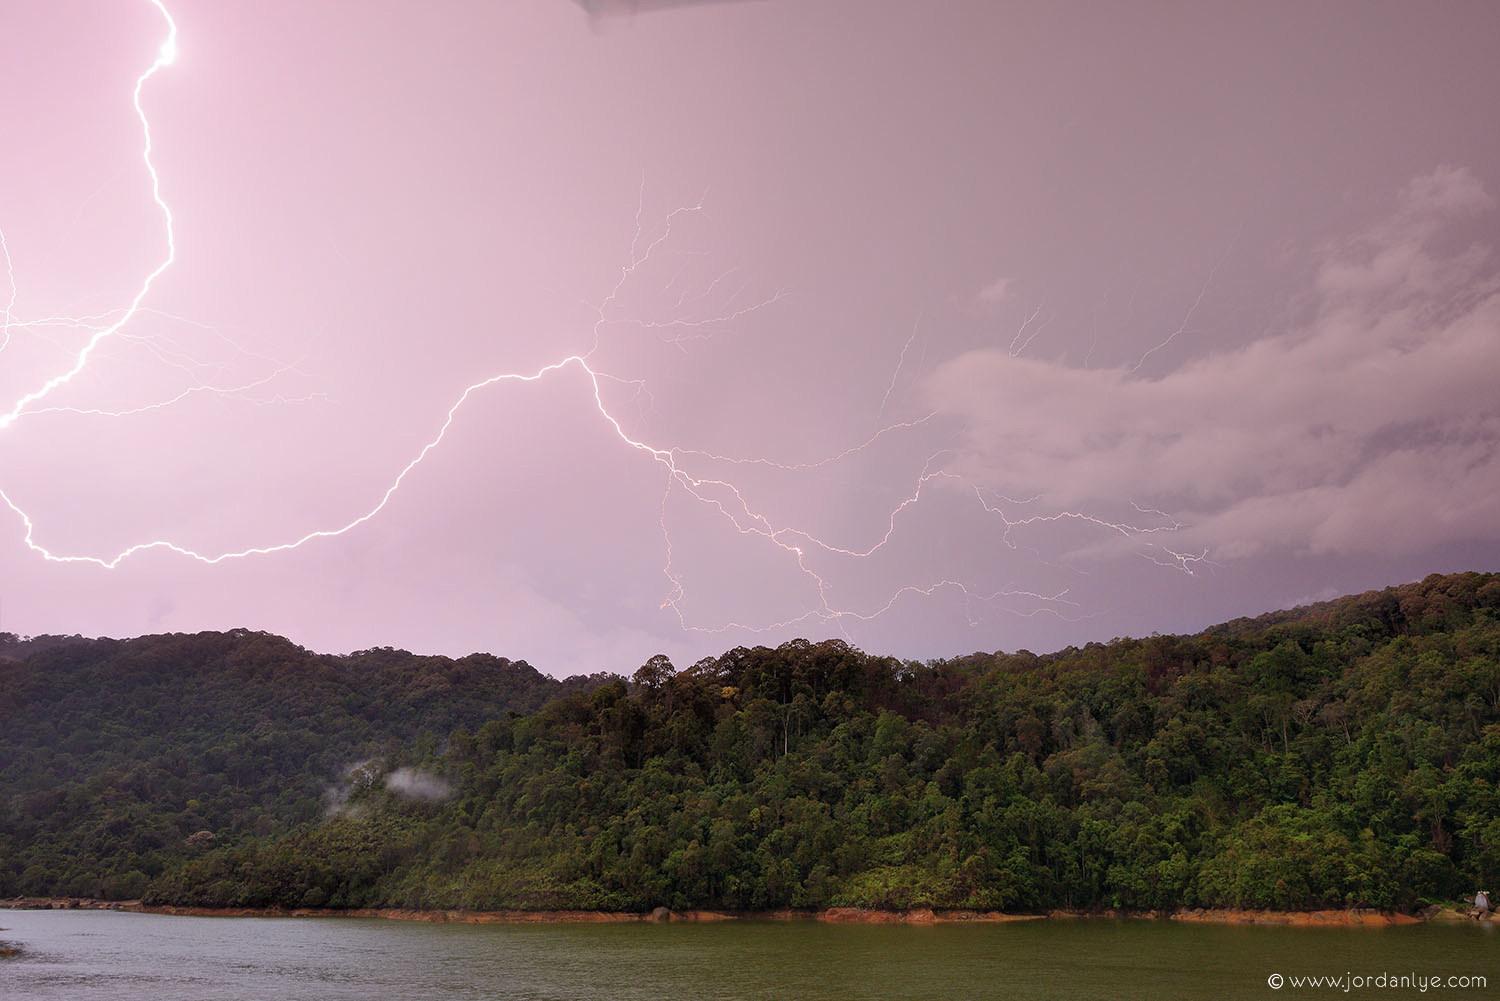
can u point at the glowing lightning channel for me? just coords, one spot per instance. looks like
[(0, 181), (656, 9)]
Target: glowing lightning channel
[(236, 391), (111, 562), (721, 495), (754, 460), (900, 360), (10, 303), (1187, 317), (165, 56), (1022, 341)]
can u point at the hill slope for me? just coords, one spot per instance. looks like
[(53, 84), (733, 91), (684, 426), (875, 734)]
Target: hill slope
[(1345, 753), (115, 753)]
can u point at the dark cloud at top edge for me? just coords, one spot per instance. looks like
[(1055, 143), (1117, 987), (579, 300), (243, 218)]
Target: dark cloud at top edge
[(616, 8)]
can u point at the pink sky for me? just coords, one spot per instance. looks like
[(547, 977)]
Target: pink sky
[(973, 325)]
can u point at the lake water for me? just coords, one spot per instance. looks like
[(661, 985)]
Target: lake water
[(146, 957)]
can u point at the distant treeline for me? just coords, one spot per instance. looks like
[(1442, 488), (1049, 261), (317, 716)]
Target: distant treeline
[(1341, 754)]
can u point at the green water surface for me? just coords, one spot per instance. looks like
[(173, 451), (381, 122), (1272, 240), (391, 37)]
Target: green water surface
[(78, 954)]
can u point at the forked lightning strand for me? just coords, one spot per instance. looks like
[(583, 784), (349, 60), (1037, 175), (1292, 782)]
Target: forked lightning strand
[(802, 548), (164, 57)]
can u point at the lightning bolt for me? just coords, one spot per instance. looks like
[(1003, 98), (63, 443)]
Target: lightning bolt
[(166, 55), (900, 360), (1021, 341), (805, 551), (10, 302), (1187, 317)]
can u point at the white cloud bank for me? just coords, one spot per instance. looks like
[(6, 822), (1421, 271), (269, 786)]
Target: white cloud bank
[(1372, 426)]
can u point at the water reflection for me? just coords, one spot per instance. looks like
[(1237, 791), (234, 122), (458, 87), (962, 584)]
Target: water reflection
[(139, 956)]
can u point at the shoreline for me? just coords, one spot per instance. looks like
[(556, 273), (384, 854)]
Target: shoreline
[(1336, 918)]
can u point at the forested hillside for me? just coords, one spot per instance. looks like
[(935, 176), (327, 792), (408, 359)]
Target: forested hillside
[(120, 757), (1342, 754)]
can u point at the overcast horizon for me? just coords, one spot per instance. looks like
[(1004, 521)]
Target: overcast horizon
[(678, 326)]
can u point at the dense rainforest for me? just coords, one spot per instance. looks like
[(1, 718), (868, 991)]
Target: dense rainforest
[(1341, 754), (121, 758)]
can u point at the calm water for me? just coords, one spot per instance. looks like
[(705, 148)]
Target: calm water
[(136, 957)]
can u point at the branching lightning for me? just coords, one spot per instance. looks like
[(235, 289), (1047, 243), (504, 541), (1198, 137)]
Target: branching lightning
[(684, 469), (1187, 317), (10, 302), (165, 56), (1022, 340)]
